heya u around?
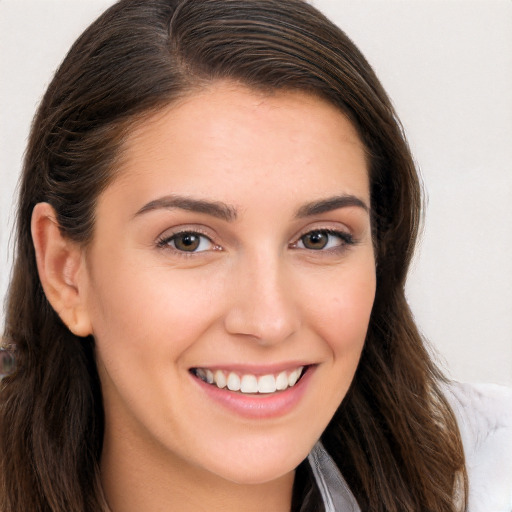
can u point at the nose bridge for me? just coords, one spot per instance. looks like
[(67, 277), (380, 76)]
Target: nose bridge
[(262, 304)]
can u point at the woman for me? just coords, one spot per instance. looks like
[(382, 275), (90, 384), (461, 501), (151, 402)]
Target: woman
[(216, 217)]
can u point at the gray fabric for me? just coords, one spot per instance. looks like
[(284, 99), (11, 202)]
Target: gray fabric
[(336, 495)]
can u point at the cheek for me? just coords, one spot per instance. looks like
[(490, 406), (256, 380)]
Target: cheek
[(144, 326), (149, 312), (340, 314)]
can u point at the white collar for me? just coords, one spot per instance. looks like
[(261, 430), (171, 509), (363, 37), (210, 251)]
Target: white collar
[(333, 488)]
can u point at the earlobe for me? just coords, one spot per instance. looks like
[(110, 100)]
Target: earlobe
[(60, 265)]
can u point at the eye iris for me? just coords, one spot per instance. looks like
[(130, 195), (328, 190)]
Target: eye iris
[(187, 242), (315, 240)]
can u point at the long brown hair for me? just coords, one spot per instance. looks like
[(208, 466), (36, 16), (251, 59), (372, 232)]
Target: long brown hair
[(394, 437)]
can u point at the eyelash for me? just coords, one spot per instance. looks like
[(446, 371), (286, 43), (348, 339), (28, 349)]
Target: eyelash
[(346, 239)]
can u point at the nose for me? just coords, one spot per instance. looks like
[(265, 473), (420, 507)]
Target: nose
[(262, 303)]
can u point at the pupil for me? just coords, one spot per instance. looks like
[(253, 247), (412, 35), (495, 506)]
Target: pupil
[(316, 240), (187, 242)]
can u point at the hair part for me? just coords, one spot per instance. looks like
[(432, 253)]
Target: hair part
[(394, 436)]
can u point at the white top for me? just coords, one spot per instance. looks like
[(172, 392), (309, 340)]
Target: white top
[(484, 416)]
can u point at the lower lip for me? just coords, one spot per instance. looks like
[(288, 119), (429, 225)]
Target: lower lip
[(259, 406)]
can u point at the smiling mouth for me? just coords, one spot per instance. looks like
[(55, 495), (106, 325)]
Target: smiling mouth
[(248, 383)]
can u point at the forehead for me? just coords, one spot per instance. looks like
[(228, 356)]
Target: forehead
[(234, 135)]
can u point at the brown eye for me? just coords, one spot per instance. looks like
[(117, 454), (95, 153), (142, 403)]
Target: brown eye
[(188, 241), (315, 240), (323, 239)]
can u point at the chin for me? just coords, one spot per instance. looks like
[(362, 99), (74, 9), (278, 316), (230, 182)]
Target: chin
[(267, 465)]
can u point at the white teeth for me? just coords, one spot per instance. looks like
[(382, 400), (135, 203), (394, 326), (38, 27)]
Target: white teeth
[(233, 382), (249, 383), (282, 381), (220, 379), (294, 377), (267, 384)]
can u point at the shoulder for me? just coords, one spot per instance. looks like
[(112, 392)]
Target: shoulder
[(484, 416)]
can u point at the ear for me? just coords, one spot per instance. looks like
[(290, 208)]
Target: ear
[(61, 264)]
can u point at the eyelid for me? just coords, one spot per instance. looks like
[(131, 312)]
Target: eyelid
[(329, 227)]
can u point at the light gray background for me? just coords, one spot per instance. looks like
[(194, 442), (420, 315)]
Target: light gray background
[(447, 65)]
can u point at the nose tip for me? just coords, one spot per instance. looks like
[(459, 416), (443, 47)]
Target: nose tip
[(267, 329), (263, 309)]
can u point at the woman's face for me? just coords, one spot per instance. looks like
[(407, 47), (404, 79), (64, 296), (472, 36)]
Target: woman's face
[(232, 257)]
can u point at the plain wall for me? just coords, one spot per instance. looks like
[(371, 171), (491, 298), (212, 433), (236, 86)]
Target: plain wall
[(447, 66)]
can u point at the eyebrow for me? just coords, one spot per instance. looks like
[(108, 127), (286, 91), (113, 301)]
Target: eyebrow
[(228, 213), (329, 204), (213, 208)]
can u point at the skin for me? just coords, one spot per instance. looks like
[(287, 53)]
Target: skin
[(253, 295)]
